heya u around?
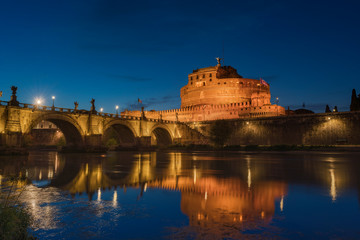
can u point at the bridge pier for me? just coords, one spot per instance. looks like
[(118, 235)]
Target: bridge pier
[(12, 139), (144, 141), (93, 140)]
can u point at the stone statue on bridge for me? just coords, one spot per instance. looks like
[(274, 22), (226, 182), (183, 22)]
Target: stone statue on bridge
[(92, 110), (13, 101), (76, 106)]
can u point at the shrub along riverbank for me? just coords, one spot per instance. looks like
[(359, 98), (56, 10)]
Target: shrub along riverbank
[(15, 221)]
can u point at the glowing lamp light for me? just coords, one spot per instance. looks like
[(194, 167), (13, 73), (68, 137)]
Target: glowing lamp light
[(101, 109), (53, 97), (329, 118), (116, 107), (38, 101)]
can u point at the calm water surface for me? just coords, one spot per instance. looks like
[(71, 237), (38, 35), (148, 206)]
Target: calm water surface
[(192, 195)]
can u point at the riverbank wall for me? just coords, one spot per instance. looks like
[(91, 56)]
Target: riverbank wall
[(342, 128)]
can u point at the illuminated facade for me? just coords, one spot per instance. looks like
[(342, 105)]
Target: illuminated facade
[(219, 92)]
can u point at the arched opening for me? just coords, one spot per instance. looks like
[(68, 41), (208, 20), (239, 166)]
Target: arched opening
[(160, 137), (51, 132), (119, 135)]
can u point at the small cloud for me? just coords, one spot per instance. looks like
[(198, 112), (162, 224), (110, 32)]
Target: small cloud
[(151, 102), (270, 78), (128, 78)]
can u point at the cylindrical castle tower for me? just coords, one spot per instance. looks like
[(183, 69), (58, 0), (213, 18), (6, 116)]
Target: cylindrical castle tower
[(223, 85)]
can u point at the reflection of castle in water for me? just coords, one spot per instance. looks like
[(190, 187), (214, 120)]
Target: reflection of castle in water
[(247, 193), (204, 199)]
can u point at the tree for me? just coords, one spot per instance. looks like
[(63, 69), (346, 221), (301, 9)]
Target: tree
[(327, 109), (355, 102), (220, 132)]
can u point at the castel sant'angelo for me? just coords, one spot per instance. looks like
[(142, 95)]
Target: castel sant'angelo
[(218, 92)]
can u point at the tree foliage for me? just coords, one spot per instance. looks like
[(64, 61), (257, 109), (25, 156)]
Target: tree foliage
[(355, 101), (327, 109)]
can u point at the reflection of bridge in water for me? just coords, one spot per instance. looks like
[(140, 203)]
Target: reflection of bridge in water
[(205, 198), (242, 194)]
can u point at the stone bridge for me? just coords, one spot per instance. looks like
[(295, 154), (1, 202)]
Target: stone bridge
[(90, 128)]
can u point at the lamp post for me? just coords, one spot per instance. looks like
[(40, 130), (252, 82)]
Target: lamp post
[(53, 98), (101, 110), (277, 106), (116, 108)]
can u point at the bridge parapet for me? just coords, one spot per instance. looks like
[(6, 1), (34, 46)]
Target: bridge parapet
[(83, 127)]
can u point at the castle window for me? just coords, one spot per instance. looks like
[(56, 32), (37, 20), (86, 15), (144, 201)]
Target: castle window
[(191, 83), (203, 83), (204, 76), (210, 75), (218, 83), (210, 80), (190, 78), (197, 76), (224, 82)]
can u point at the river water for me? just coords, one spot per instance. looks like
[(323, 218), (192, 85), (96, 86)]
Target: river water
[(191, 195)]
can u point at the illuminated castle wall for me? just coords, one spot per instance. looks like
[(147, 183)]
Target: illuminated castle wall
[(218, 93)]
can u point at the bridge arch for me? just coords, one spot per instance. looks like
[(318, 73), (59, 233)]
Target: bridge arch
[(72, 131), (121, 131), (161, 135)]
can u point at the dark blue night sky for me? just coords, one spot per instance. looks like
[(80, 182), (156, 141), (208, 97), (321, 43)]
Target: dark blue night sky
[(119, 51)]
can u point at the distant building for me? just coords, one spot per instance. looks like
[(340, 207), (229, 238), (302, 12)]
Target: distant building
[(218, 92)]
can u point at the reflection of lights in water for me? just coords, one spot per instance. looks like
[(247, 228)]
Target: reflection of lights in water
[(194, 175), (98, 174), (50, 174), (249, 173), (241, 218), (333, 185), (40, 175), (115, 198), (26, 173), (205, 195), (0, 179), (56, 162), (262, 214), (282, 203), (145, 187), (99, 194), (86, 169)]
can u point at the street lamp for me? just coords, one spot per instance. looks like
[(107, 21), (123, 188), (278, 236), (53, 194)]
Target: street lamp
[(117, 107), (277, 107), (53, 98), (101, 109)]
